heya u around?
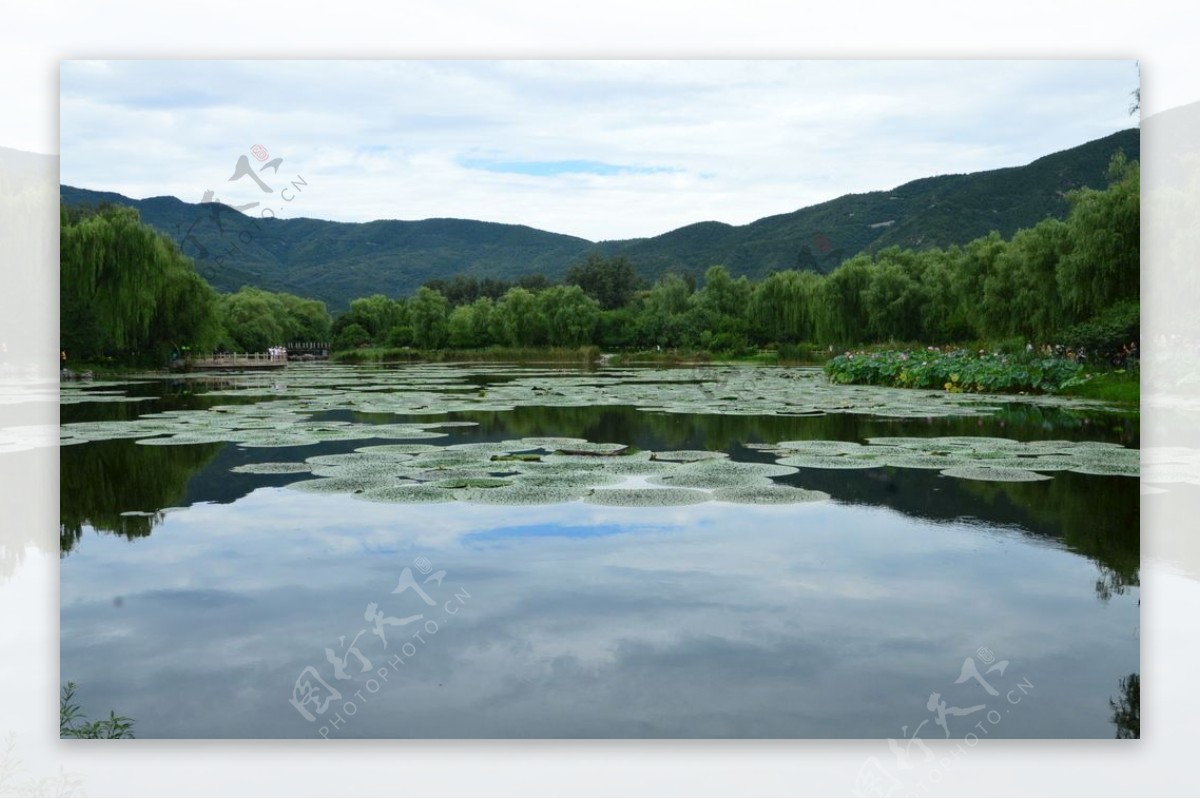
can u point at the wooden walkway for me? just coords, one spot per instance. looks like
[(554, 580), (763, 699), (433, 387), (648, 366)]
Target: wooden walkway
[(237, 360)]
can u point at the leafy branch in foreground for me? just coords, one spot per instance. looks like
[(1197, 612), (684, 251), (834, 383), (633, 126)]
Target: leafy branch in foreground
[(72, 723)]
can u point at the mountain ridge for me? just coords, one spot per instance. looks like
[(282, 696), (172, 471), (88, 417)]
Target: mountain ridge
[(339, 261)]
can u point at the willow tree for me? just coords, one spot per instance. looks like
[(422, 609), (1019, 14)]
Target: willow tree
[(427, 311), (518, 320), (781, 307), (894, 297), (126, 292), (1020, 294), (1103, 227), (571, 315), (841, 316)]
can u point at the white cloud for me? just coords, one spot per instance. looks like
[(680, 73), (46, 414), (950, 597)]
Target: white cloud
[(675, 142)]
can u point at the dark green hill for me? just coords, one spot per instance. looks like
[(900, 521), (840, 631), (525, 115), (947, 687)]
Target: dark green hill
[(337, 261)]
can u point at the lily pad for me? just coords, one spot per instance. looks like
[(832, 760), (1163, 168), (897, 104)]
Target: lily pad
[(1000, 474), (472, 482), (400, 449), (272, 468), (521, 494), (774, 494), (833, 461), (720, 474), (572, 479), (687, 455), (646, 497), (1109, 469), (343, 485), (407, 494)]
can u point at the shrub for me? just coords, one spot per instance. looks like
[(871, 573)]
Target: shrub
[(958, 371), (1104, 336)]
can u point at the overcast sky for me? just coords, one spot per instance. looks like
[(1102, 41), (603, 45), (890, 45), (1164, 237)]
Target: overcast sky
[(598, 149)]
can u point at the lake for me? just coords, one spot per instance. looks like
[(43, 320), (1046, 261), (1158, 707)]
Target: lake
[(493, 550)]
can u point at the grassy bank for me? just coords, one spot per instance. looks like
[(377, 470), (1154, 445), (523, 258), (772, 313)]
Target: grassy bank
[(1114, 385)]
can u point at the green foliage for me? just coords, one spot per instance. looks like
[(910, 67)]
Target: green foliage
[(1122, 386), (1104, 336), (427, 311), (988, 290), (126, 292), (609, 281), (571, 316), (355, 335), (783, 307), (337, 262), (957, 371), (376, 314), (518, 320), (842, 315), (1103, 264), (255, 320), (72, 724)]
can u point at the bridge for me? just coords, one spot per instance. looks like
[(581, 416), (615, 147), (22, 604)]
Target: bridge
[(232, 360), (318, 349)]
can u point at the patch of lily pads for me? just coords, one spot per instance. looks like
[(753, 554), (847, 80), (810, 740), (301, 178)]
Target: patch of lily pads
[(774, 494), (999, 474), (966, 457), (596, 474), (272, 468), (297, 408), (646, 497)]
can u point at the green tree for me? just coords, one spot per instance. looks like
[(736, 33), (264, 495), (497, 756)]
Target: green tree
[(428, 310), (518, 321), (127, 292), (482, 311), (351, 336), (571, 315), (612, 282), (1103, 229), (978, 260), (1020, 294), (895, 296), (461, 327), (942, 317), (253, 320), (841, 316), (376, 314), (306, 320), (781, 307)]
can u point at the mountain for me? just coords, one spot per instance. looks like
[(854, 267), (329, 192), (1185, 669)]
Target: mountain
[(338, 261)]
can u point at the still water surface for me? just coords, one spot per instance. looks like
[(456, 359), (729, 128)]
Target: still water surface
[(836, 619)]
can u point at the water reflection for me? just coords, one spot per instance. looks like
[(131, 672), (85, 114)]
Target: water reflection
[(1095, 516), (710, 620), (829, 620), (1127, 708), (103, 481)]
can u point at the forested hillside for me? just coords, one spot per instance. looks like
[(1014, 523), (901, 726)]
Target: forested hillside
[(336, 262)]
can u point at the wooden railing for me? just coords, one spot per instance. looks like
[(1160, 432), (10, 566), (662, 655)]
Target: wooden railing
[(230, 360)]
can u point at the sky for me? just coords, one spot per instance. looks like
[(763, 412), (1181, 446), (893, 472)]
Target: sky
[(595, 149)]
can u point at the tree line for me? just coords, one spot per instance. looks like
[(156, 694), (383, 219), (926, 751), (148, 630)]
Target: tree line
[(1035, 285), (127, 295)]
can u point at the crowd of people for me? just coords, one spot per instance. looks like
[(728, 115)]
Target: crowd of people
[(277, 353)]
